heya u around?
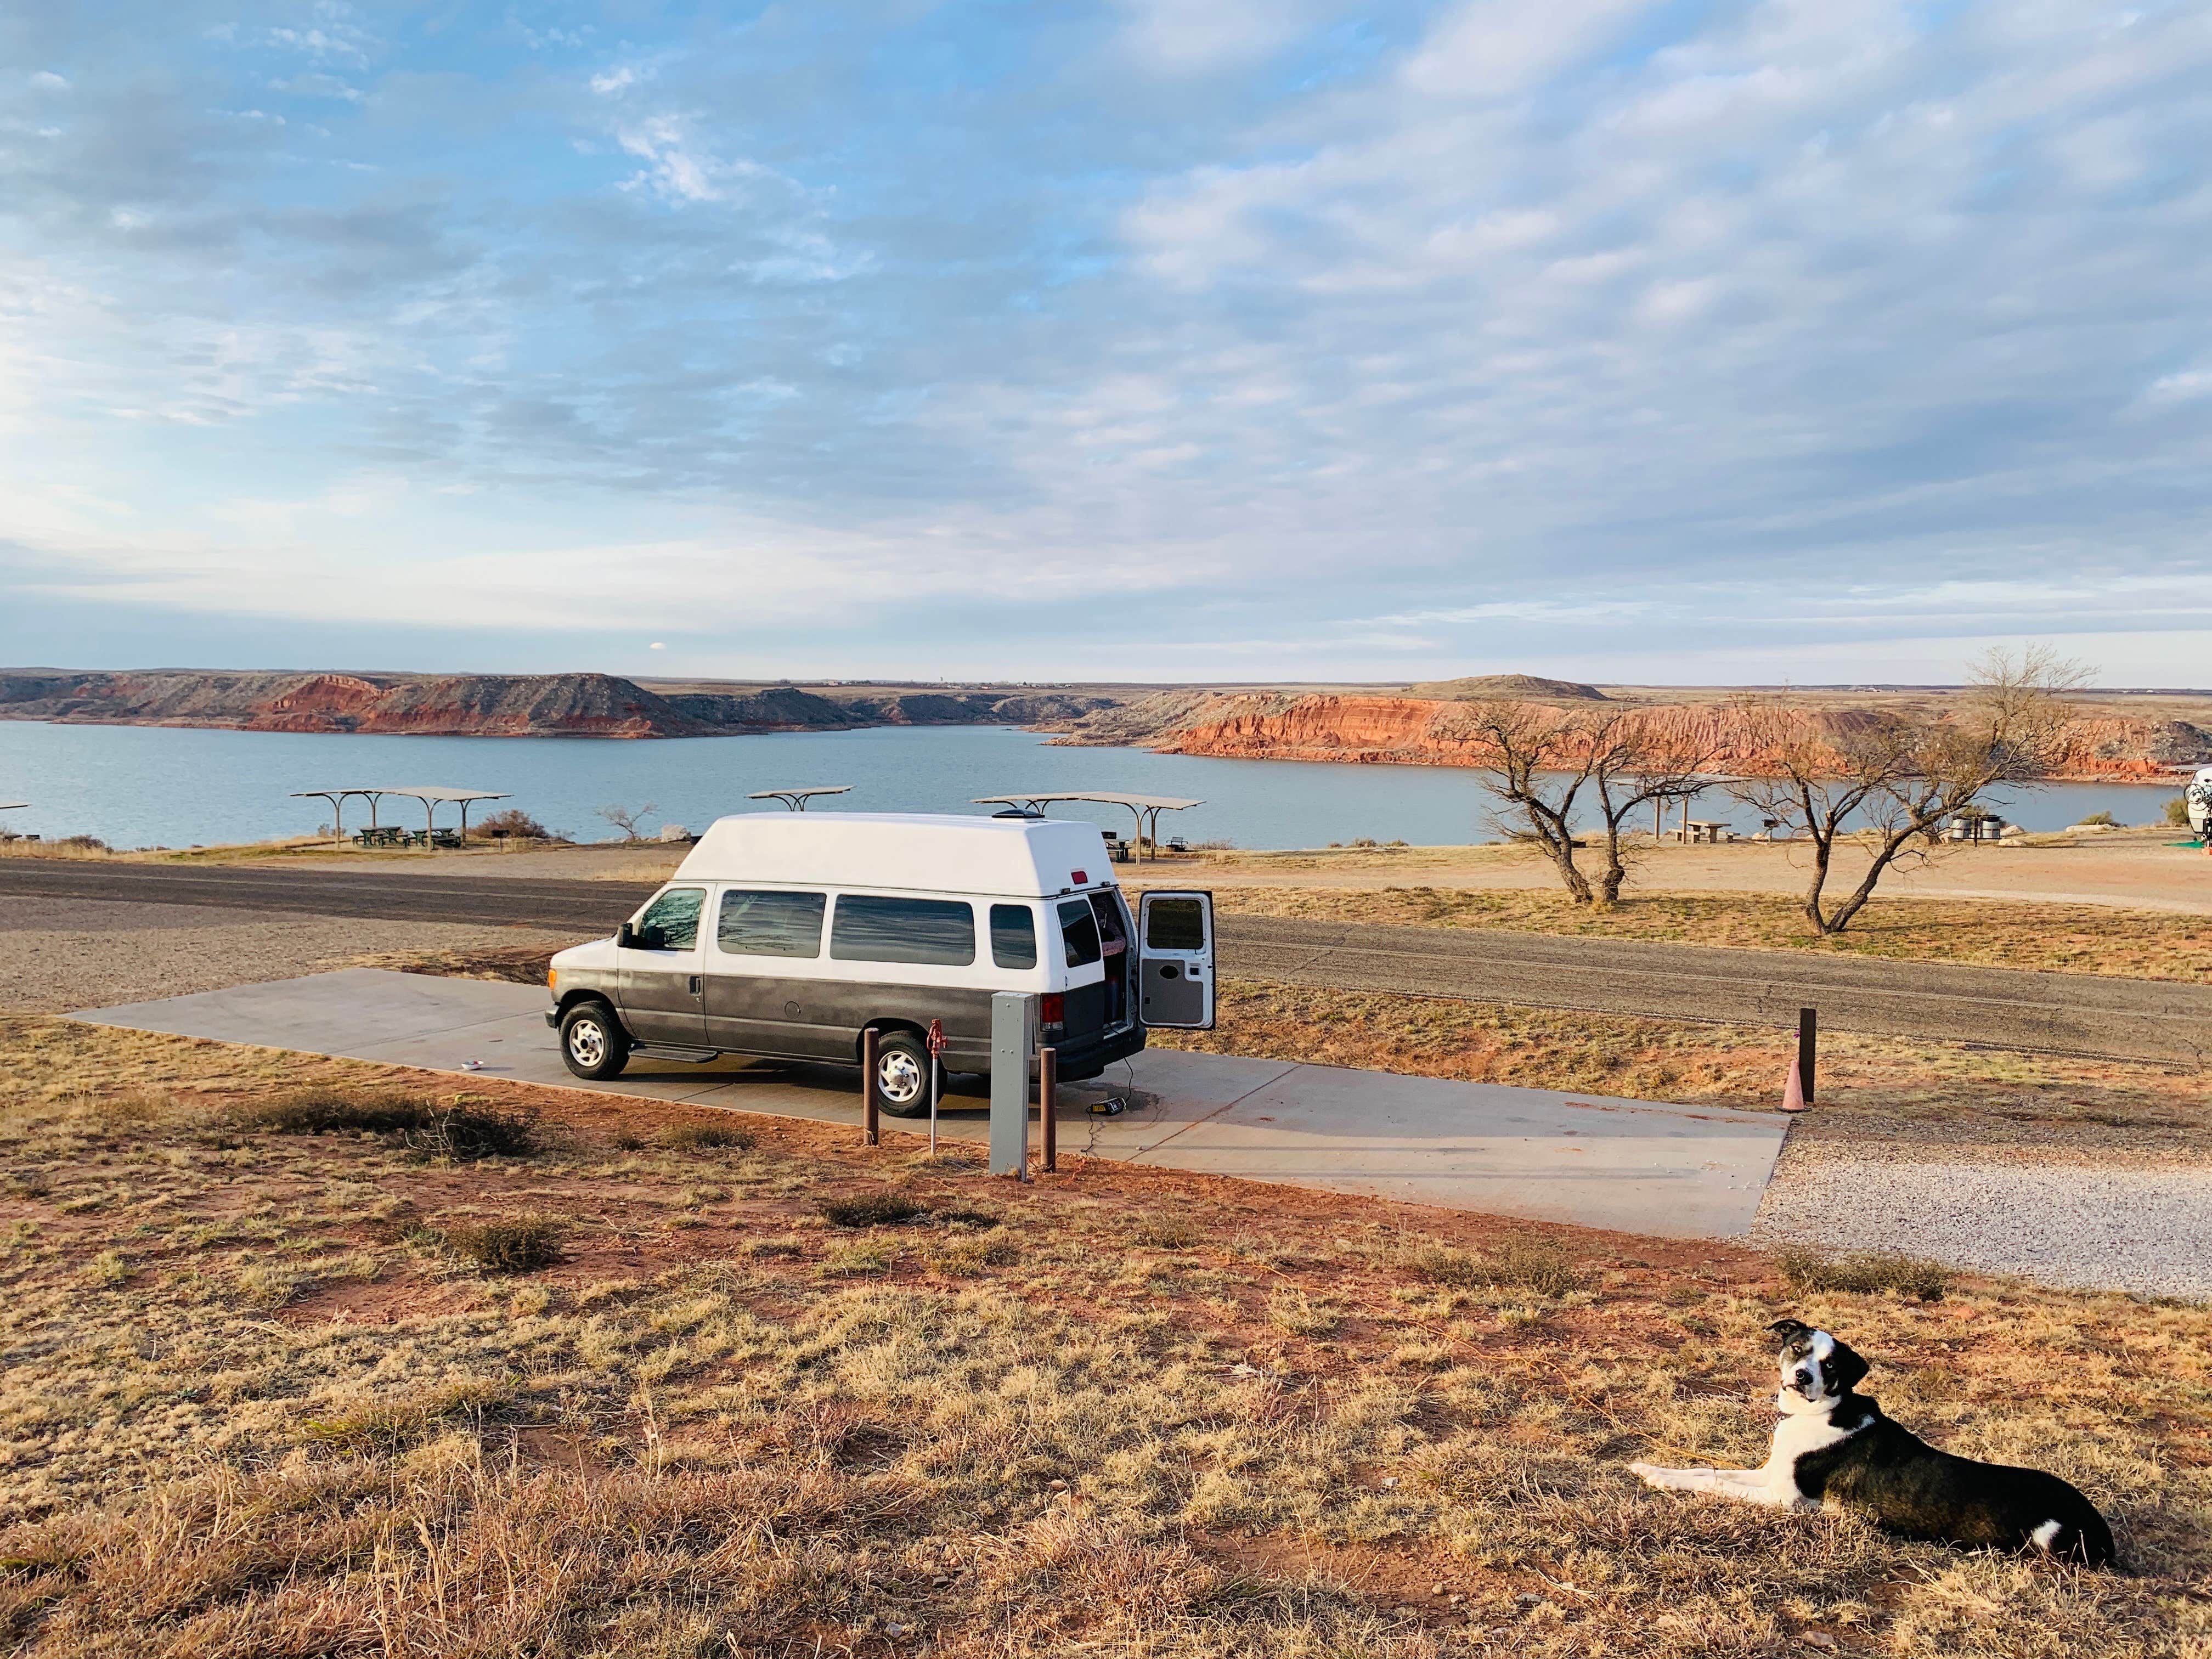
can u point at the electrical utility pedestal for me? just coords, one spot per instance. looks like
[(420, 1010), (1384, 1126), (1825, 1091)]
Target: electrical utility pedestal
[(1013, 1029)]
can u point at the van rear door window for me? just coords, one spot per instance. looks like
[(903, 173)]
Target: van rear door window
[(756, 923), (1176, 924), (1014, 936), (941, 931), (1078, 932)]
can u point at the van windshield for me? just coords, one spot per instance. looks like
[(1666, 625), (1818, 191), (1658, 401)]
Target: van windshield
[(1078, 932)]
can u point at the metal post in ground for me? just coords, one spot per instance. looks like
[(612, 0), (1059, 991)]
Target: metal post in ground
[(871, 1133), (936, 1077), (1047, 1092), (1808, 1045)]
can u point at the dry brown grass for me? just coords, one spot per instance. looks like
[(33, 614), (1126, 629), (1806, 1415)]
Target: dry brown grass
[(1117, 1411), (2076, 938), (1915, 1089)]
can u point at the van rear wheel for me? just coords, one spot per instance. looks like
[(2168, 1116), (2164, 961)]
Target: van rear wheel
[(902, 1074), (593, 1044)]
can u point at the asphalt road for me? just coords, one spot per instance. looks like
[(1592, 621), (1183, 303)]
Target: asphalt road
[(2064, 1013)]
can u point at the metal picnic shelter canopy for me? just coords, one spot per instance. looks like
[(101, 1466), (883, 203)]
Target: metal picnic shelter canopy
[(796, 800), (431, 797), (1146, 809)]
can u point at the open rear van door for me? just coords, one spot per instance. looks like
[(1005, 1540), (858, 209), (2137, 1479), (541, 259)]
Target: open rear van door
[(1174, 961)]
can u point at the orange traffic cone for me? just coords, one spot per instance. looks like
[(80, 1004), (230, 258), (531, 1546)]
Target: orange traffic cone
[(1793, 1091)]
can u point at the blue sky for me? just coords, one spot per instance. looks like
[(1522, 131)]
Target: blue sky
[(1681, 342)]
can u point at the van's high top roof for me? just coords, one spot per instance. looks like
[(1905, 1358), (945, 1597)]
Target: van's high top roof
[(1020, 858)]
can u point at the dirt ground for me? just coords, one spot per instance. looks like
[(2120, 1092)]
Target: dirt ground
[(2132, 868), (262, 1398), (61, 955)]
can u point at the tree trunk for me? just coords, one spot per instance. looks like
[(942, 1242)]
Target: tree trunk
[(1615, 872), (1882, 860), (1578, 887), (1824, 845)]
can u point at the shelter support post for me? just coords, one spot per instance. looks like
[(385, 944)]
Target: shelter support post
[(1808, 1048)]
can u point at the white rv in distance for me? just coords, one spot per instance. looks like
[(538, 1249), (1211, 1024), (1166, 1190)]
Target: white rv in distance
[(790, 934), (2199, 798)]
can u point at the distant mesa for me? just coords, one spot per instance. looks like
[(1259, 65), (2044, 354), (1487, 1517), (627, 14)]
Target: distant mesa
[(1529, 688), (498, 705)]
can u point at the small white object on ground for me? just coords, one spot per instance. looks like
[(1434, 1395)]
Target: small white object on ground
[(674, 832)]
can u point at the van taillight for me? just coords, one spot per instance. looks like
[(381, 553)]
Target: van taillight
[(1052, 1012)]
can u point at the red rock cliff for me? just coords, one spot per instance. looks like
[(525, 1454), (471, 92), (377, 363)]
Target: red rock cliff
[(1398, 731)]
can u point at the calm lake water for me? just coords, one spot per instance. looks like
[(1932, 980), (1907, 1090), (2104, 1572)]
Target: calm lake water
[(146, 786)]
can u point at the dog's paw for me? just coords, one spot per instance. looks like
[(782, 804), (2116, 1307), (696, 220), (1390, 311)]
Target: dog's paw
[(1645, 1471)]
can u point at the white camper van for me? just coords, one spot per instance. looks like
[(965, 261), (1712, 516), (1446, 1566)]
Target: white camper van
[(791, 933), (2198, 796)]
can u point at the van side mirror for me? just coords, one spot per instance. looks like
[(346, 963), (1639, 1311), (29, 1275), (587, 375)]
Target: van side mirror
[(626, 937)]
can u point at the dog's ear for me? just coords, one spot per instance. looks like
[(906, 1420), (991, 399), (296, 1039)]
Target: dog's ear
[(1845, 1369), (1789, 1330)]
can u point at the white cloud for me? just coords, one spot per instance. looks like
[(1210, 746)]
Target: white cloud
[(1179, 36), (1499, 48), (47, 81), (681, 165)]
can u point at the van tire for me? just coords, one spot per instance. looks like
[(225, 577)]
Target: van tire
[(902, 1074), (593, 1044)]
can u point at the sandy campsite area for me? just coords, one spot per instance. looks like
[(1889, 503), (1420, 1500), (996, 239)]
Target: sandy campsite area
[(2138, 869)]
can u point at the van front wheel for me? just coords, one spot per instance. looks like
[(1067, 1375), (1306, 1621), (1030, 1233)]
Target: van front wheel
[(902, 1074), (593, 1044)]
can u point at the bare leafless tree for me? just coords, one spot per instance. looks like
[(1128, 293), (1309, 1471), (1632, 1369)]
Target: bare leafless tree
[(1891, 781), (627, 819), (1545, 763)]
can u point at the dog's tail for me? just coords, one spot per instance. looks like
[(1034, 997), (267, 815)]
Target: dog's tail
[(2082, 1536)]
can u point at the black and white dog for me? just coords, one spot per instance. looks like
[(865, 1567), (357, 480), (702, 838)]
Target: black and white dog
[(1834, 1446)]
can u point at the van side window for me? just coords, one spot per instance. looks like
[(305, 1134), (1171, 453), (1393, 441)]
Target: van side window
[(764, 924), (1014, 936), (674, 916), (1078, 932), (941, 931)]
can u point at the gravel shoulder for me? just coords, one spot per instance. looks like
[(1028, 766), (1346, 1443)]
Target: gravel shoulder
[(2109, 1220)]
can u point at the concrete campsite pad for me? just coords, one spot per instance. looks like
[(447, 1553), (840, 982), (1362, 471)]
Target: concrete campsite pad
[(1631, 1166)]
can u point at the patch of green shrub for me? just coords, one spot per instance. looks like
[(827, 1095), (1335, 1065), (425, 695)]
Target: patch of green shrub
[(507, 1244), (1862, 1272), (460, 1130), (704, 1137), (881, 1207), (386, 1426)]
